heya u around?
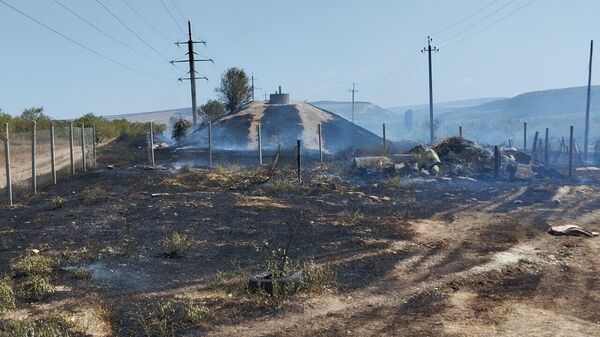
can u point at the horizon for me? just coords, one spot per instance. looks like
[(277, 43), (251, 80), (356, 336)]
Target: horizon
[(373, 45)]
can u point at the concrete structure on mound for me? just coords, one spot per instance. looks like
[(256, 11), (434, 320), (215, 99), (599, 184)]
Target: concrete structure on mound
[(282, 122)]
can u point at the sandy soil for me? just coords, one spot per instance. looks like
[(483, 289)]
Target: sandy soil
[(456, 258)]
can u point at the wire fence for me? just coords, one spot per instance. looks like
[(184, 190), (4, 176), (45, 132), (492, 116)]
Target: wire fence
[(57, 154)]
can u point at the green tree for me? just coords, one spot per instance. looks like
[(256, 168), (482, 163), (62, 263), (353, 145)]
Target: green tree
[(180, 129), (213, 109), (235, 89)]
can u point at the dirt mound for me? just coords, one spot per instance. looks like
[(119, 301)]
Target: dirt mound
[(281, 124)]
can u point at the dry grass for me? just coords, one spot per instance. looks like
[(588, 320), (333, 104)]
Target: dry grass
[(7, 295), (351, 218), (175, 245), (169, 317), (82, 273), (56, 325), (32, 275), (57, 202), (93, 195)]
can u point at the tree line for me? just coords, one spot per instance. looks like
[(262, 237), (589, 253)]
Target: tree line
[(105, 129)]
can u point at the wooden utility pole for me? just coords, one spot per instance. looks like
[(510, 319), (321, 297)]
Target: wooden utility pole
[(71, 148), (571, 153), (53, 154), (33, 158), (152, 161), (353, 91), (587, 108), (546, 147), (430, 49), (320, 142), (252, 87), (525, 136), (192, 63)]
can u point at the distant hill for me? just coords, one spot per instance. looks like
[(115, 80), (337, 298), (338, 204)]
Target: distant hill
[(159, 117), (446, 106)]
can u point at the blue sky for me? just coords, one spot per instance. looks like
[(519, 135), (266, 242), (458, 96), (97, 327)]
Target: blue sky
[(314, 48)]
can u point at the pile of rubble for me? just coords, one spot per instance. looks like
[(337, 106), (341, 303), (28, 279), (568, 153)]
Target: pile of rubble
[(455, 156)]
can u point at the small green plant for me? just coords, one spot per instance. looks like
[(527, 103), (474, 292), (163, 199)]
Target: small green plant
[(317, 278), (36, 288), (93, 195), (82, 273), (7, 295), (57, 202), (175, 245), (351, 218), (195, 313), (34, 264)]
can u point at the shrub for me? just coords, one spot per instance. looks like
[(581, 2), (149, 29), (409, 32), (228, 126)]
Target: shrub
[(34, 264), (53, 326), (175, 245), (36, 288), (317, 278), (57, 202), (195, 313), (351, 218), (169, 317), (7, 295), (93, 195), (82, 273)]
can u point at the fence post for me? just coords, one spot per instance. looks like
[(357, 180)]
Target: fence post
[(71, 148), (210, 150), (7, 162), (571, 153), (83, 148), (320, 143), (496, 161), (460, 134), (298, 159), (94, 145), (33, 158), (546, 147), (524, 136), (260, 154), (52, 154), (152, 143), (384, 142), (534, 149)]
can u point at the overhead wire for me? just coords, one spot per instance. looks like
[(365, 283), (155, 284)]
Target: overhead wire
[(131, 30), (105, 33), (465, 18), (172, 17), (492, 24), (178, 10), (106, 58), (146, 21)]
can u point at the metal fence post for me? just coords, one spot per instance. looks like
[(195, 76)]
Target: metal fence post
[(384, 142), (83, 148), (52, 154), (496, 161), (320, 142), (71, 148), (152, 143), (33, 157), (546, 147), (210, 149), (299, 143), (571, 153), (7, 162), (94, 144), (260, 154), (524, 136)]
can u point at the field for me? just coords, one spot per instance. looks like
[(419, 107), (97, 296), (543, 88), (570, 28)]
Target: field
[(383, 257)]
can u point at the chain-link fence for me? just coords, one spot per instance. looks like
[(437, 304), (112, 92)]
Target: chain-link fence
[(57, 154)]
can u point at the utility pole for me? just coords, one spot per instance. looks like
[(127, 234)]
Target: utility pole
[(353, 91), (429, 49), (192, 62), (587, 108)]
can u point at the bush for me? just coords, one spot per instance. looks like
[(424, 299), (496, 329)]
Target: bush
[(169, 317), (317, 278), (82, 273), (57, 202), (175, 245), (93, 195), (36, 288), (7, 295), (180, 129), (53, 326), (34, 264)]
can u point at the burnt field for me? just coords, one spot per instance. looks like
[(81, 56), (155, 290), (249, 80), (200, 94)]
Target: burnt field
[(136, 252)]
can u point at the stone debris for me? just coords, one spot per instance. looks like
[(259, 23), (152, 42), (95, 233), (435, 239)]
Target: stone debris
[(570, 230)]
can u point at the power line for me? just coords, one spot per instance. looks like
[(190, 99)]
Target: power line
[(172, 17), (131, 30), (146, 21), (104, 32), (178, 10), (78, 43), (479, 21), (492, 24), (466, 18)]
